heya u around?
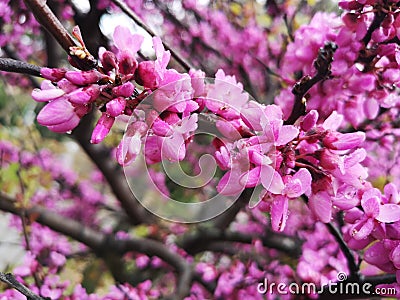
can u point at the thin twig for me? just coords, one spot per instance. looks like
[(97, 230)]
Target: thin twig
[(353, 267), (14, 283), (323, 66)]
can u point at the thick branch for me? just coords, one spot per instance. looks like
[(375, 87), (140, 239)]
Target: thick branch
[(199, 240), (113, 174), (101, 243), (353, 268), (225, 219), (16, 66), (54, 221)]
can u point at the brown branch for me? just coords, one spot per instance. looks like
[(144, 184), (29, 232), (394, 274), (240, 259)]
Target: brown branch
[(50, 22), (225, 219), (9, 279), (198, 241), (323, 66), (16, 66), (114, 175), (104, 245), (353, 267), (63, 225)]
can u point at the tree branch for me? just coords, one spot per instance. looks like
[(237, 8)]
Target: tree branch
[(14, 283), (104, 244), (353, 267), (16, 66), (50, 22), (225, 219), (112, 173), (323, 66), (198, 241)]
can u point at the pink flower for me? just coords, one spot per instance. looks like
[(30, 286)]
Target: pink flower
[(102, 128), (60, 115), (47, 92), (292, 187), (83, 77), (128, 45), (373, 211), (226, 96), (129, 147)]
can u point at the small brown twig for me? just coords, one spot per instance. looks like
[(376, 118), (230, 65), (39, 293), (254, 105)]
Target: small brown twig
[(323, 66), (50, 22)]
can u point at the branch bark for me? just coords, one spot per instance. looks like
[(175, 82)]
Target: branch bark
[(50, 22), (16, 66), (104, 244), (323, 66), (114, 175), (14, 283)]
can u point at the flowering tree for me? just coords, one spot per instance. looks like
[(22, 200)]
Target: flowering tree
[(254, 143)]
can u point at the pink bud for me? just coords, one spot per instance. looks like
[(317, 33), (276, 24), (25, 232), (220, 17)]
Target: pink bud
[(161, 128), (83, 77), (145, 75), (66, 85), (116, 107), (135, 127), (56, 112), (338, 141), (127, 63), (125, 90), (109, 61), (309, 120), (46, 95), (102, 128), (53, 74), (84, 95)]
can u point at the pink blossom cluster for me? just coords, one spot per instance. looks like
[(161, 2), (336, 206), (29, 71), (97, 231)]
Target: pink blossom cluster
[(318, 168), (365, 65)]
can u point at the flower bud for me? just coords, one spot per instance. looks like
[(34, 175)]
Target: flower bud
[(83, 77), (127, 63), (309, 120), (109, 61), (46, 95), (53, 74), (116, 107), (84, 95), (145, 75), (102, 128), (338, 141), (125, 90)]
